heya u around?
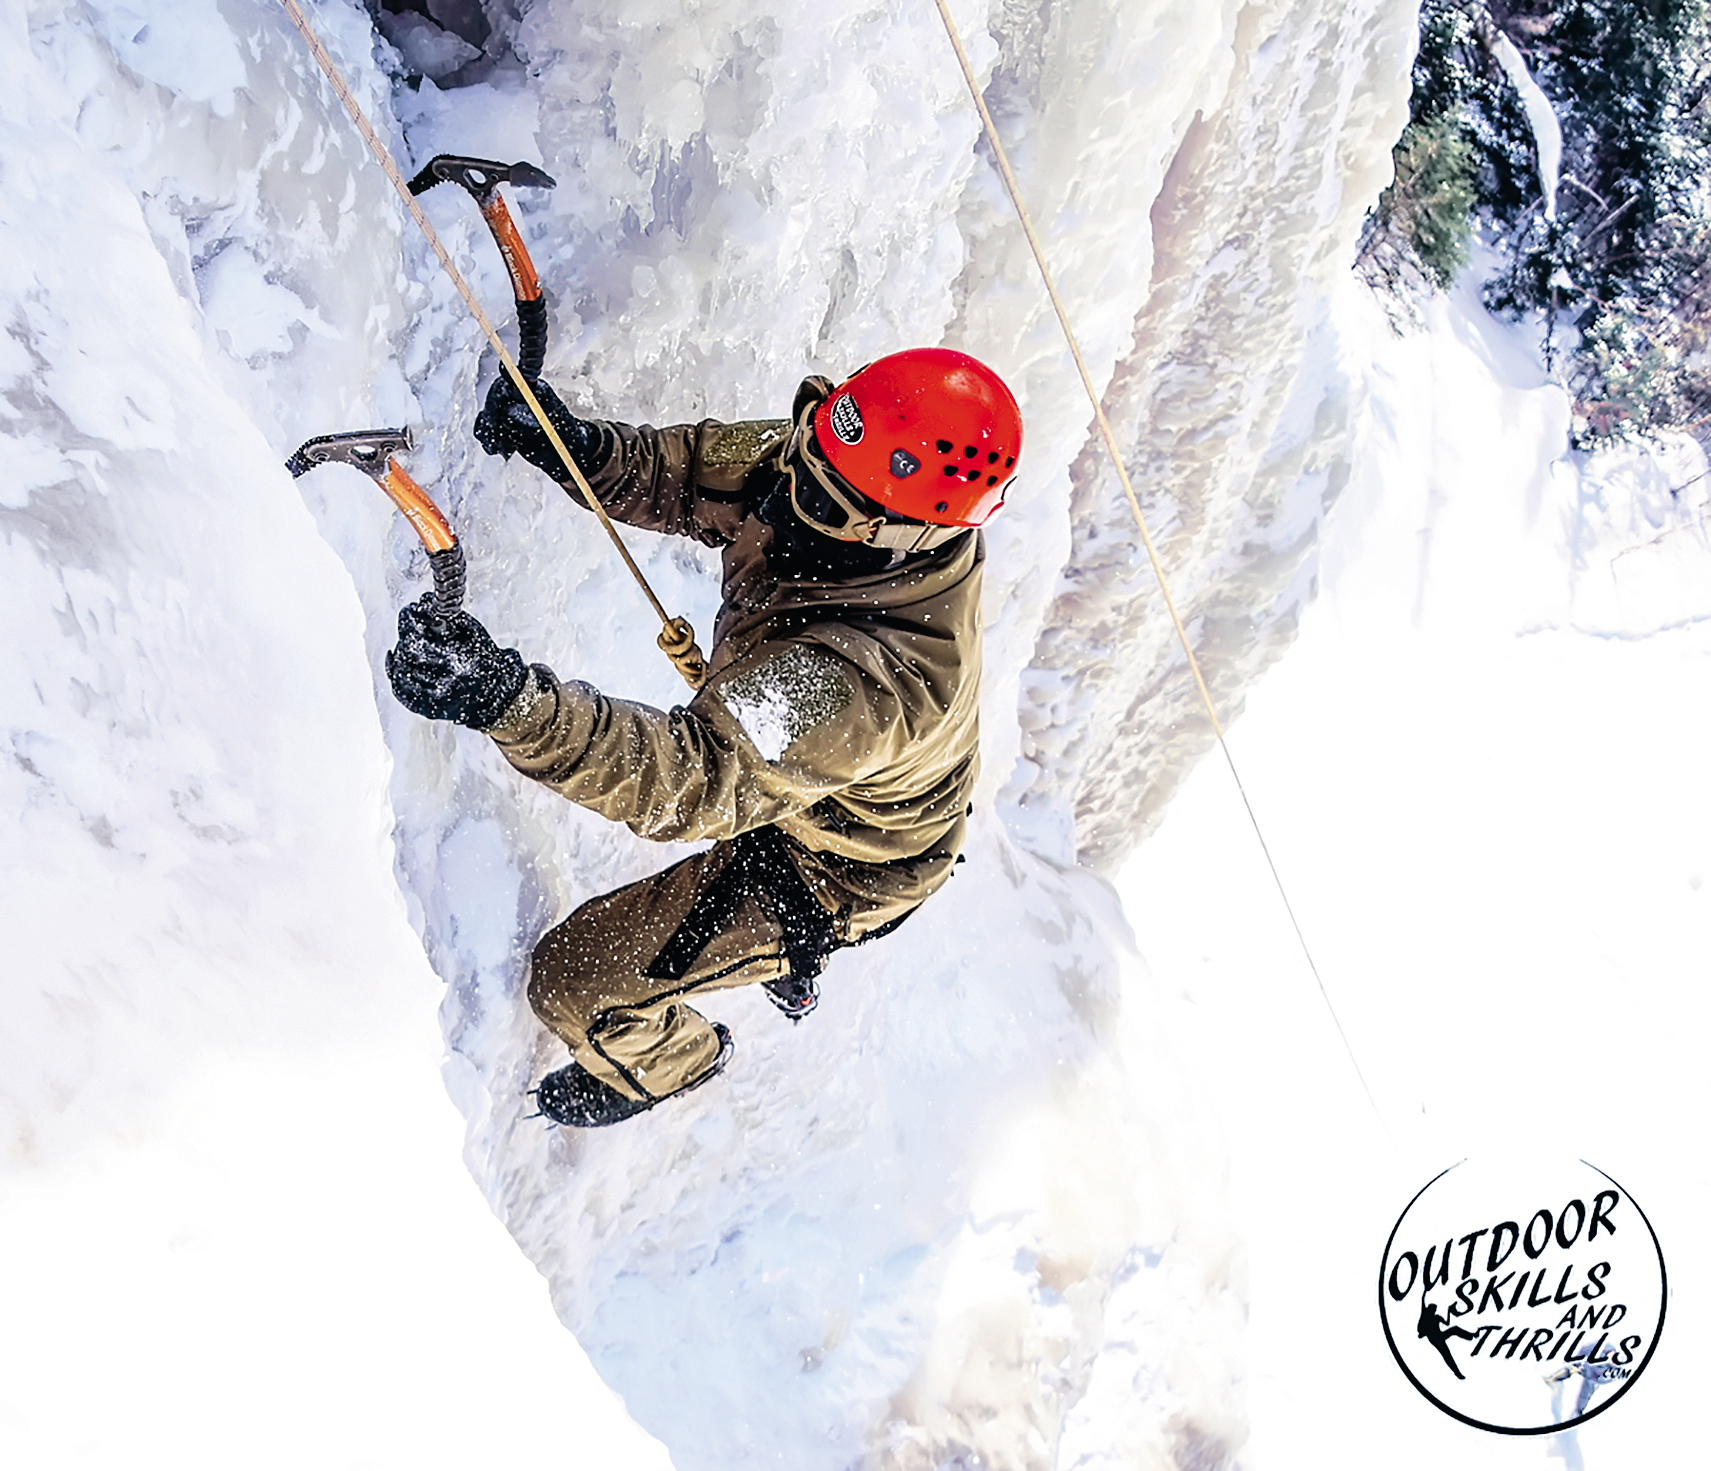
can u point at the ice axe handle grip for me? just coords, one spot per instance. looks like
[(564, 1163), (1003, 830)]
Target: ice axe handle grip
[(531, 337), (448, 570)]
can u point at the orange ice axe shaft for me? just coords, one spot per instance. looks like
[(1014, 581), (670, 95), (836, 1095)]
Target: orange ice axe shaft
[(372, 451), (482, 178)]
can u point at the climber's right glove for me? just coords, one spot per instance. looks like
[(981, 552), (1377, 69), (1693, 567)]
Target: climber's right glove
[(506, 426), (450, 668)]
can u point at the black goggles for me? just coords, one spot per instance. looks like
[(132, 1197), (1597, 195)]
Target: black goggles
[(828, 504)]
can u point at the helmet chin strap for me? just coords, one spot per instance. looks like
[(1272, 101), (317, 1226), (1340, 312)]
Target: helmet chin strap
[(861, 528)]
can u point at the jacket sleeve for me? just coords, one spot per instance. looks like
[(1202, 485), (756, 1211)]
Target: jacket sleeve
[(765, 738), (686, 480)]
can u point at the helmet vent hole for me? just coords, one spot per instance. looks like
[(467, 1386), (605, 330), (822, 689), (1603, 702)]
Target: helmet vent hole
[(992, 480), (1010, 463), (942, 507), (992, 458), (945, 446), (950, 469), (970, 452), (972, 475)]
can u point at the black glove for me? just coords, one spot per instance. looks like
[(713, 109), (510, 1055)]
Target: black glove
[(506, 426), (450, 668)]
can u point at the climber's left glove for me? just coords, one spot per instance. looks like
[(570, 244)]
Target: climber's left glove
[(450, 668)]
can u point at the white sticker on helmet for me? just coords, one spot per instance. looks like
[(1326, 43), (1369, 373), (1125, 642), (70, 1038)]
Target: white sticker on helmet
[(846, 419)]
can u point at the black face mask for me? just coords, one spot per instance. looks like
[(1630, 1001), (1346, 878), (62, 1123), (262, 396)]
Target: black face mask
[(800, 553)]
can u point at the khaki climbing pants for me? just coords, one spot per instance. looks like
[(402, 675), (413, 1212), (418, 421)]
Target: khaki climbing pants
[(615, 979)]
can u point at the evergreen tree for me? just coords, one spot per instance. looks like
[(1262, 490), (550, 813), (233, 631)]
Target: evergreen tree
[(1428, 208), (1627, 261)]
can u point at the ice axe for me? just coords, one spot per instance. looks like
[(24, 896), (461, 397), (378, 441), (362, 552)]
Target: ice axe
[(677, 638), (372, 451), (482, 178)]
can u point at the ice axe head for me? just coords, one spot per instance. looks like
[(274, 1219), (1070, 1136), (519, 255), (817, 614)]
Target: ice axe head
[(370, 450), (480, 176)]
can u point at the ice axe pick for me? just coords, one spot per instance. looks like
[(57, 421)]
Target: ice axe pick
[(372, 451)]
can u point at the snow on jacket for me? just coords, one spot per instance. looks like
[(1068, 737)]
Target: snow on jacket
[(843, 712)]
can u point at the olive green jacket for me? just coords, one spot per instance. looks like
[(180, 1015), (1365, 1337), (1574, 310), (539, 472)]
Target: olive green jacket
[(845, 713)]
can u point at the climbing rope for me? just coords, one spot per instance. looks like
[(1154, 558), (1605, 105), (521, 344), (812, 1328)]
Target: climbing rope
[(677, 638), (1110, 439)]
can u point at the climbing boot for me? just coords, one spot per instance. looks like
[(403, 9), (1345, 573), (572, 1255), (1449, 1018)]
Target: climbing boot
[(574, 1096), (793, 997)]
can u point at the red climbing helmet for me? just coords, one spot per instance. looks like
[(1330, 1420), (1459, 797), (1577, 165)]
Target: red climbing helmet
[(931, 434)]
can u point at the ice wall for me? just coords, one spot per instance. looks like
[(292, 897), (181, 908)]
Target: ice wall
[(968, 1213), (193, 785), (889, 1209), (1232, 412)]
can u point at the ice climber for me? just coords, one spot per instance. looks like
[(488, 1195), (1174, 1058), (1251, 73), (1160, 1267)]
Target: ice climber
[(830, 753)]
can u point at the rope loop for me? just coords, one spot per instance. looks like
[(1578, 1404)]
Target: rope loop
[(677, 642)]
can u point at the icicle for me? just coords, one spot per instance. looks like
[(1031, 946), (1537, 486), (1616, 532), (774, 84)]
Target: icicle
[(1541, 117)]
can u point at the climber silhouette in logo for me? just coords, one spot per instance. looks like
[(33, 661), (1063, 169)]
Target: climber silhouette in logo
[(1438, 1333)]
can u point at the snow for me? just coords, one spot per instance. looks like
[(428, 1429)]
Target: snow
[(1479, 769), (779, 703), (225, 1150), (978, 1209)]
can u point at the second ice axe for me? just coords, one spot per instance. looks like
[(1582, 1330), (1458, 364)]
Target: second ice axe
[(373, 452), (481, 178)]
